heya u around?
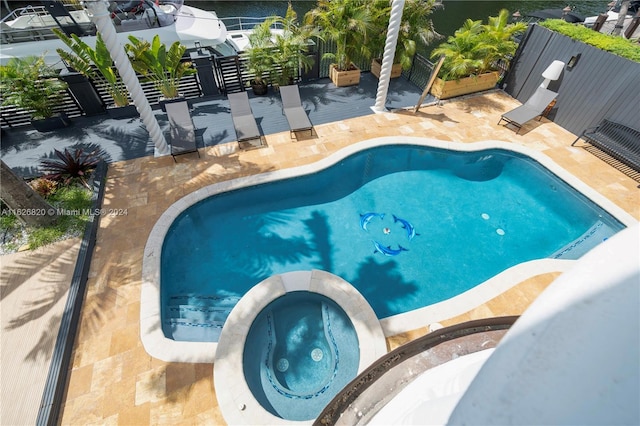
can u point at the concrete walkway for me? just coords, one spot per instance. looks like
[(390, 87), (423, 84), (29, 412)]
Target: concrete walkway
[(33, 291)]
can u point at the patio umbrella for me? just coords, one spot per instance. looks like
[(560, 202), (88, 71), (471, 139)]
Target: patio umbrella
[(556, 14)]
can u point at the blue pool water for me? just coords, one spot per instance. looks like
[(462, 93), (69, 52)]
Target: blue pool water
[(300, 351), (460, 219)]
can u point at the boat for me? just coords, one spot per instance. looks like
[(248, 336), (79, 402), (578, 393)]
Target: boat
[(606, 22), (27, 31)]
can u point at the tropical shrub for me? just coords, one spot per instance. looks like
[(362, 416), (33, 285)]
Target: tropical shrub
[(29, 83), (416, 29), (476, 48), (291, 47), (614, 44), (84, 56), (347, 23), (43, 186), (259, 58), (164, 67), (70, 166)]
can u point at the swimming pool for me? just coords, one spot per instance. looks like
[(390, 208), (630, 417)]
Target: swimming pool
[(455, 215), (300, 351)]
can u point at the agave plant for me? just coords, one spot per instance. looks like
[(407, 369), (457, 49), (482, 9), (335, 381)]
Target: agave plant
[(84, 56), (70, 166), (158, 64)]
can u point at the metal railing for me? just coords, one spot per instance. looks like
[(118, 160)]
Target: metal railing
[(245, 23)]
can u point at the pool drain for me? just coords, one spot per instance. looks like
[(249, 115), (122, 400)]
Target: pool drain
[(317, 354), (282, 365)]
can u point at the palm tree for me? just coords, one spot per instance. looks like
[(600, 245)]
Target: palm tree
[(21, 197), (291, 46), (259, 59), (84, 56), (345, 22), (499, 33), (464, 51), (415, 29), (476, 48), (158, 64)]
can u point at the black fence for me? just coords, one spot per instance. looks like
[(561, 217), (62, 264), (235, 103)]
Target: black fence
[(599, 85), (217, 75)]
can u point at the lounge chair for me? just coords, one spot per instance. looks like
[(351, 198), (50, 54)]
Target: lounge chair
[(292, 109), (182, 130), (244, 122), (534, 107)]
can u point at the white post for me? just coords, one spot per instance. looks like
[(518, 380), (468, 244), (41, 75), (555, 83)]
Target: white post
[(100, 16), (389, 51)]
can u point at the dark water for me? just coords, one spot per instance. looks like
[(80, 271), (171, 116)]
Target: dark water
[(446, 20)]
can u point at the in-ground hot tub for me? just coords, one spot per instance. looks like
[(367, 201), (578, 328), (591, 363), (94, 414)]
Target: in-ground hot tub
[(290, 345)]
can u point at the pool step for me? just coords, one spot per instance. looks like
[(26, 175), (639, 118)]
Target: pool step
[(203, 300), (598, 233), (193, 331), (198, 313), (196, 318)]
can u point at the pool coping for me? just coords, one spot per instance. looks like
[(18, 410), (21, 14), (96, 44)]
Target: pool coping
[(163, 348), (236, 402)]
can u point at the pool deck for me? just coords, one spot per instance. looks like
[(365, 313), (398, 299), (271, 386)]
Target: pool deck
[(114, 381)]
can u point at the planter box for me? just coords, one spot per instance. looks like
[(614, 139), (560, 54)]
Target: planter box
[(259, 89), (50, 124), (344, 78), (128, 111), (164, 101), (376, 66), (449, 89)]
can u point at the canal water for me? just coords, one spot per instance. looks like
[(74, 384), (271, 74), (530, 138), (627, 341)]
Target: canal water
[(446, 20)]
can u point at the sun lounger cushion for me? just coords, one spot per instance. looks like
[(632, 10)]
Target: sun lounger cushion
[(182, 130), (243, 120), (531, 109), (292, 108)]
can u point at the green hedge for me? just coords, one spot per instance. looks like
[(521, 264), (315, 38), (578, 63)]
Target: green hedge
[(614, 44)]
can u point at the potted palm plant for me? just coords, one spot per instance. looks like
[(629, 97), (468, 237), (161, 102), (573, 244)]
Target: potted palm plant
[(290, 47), (415, 29), (164, 67), (472, 55), (347, 23), (279, 55), (83, 58), (259, 58), (29, 83)]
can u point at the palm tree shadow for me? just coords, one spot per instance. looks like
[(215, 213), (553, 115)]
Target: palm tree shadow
[(47, 340), (320, 241), (382, 285)]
